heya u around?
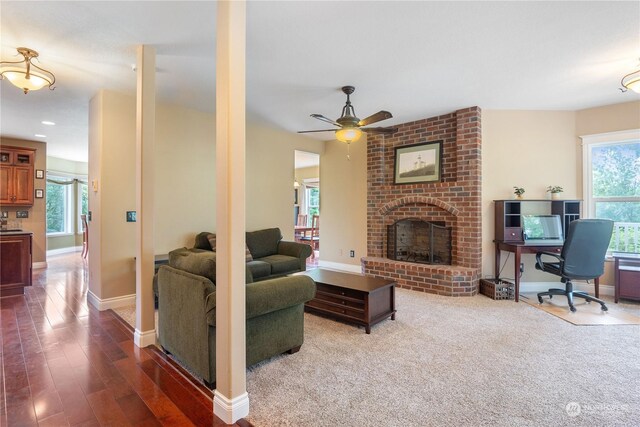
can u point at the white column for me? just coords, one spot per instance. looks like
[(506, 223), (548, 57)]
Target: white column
[(145, 333), (231, 401)]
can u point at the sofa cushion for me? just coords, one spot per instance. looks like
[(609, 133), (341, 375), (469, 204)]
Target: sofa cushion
[(259, 269), (263, 243), (277, 294), (198, 262), (281, 264)]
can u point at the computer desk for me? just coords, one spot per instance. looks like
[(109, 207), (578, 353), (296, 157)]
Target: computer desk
[(519, 248)]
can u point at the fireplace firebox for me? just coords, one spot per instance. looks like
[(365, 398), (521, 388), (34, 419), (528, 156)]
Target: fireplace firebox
[(419, 241)]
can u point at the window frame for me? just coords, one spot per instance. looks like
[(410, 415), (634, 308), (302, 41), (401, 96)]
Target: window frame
[(589, 142), (600, 140)]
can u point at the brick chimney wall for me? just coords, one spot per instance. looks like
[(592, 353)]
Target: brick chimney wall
[(456, 200)]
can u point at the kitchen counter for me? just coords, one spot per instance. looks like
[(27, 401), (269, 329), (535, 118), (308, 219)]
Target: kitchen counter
[(14, 232)]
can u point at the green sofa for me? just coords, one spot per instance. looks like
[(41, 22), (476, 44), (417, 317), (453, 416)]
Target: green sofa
[(272, 256), (187, 312)]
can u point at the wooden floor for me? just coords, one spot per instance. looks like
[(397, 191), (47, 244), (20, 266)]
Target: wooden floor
[(66, 363)]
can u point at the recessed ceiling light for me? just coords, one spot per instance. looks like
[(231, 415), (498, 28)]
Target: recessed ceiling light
[(46, 122), (39, 135)]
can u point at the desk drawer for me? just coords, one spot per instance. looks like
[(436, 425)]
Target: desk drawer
[(512, 234)]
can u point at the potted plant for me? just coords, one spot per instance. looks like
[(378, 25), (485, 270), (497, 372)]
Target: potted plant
[(518, 191), (555, 191)]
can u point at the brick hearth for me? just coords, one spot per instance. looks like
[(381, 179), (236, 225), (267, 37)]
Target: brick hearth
[(456, 201)]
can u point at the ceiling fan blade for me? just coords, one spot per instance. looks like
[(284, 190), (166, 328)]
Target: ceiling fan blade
[(386, 131), (323, 130), (325, 119), (374, 118)]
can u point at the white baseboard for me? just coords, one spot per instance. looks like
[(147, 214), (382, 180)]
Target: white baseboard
[(107, 303), (525, 287), (64, 250), (230, 410), (340, 266), (144, 339), (37, 265)]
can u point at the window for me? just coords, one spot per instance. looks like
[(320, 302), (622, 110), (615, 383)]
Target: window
[(59, 207), (612, 185)]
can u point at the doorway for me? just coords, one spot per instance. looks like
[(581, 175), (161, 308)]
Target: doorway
[(306, 207)]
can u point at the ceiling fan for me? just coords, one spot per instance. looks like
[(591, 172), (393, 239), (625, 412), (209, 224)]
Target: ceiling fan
[(350, 127)]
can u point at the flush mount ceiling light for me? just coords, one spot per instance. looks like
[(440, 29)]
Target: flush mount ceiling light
[(25, 74), (631, 81)]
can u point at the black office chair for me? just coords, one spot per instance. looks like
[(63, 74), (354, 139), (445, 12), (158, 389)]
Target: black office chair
[(582, 258)]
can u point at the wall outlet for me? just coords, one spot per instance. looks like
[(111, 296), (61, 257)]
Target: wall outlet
[(4, 214), (352, 253), (131, 216)]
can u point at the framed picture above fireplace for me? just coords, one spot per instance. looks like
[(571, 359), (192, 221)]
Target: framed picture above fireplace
[(418, 163)]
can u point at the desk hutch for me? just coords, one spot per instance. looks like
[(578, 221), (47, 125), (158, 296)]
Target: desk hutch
[(508, 231)]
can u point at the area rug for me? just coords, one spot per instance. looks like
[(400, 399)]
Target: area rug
[(586, 313)]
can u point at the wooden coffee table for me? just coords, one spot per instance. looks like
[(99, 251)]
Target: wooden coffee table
[(352, 298)]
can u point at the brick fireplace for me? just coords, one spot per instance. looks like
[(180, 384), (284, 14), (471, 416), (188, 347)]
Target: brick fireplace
[(454, 202)]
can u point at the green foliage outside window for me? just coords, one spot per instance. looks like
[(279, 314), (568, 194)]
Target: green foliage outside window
[(313, 204), (56, 207), (84, 199), (616, 175)]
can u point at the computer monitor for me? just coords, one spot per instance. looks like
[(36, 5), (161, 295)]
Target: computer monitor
[(542, 230)]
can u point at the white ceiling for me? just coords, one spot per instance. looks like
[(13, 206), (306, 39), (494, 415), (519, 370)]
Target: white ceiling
[(415, 59)]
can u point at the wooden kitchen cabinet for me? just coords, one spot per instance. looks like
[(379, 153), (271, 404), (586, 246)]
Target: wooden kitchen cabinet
[(15, 262), (16, 176)]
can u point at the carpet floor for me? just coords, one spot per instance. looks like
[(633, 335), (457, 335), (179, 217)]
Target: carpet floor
[(453, 362)]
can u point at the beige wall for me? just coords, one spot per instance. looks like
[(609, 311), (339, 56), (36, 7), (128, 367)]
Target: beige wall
[(185, 183), (343, 202), (307, 173), (534, 149), (55, 164), (36, 223), (270, 176), (529, 149), (185, 189), (112, 240), (609, 118)]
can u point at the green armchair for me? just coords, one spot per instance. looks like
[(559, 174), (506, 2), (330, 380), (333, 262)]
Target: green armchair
[(187, 307)]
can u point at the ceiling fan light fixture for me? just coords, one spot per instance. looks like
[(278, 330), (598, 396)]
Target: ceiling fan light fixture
[(25, 74), (631, 81), (348, 135)]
